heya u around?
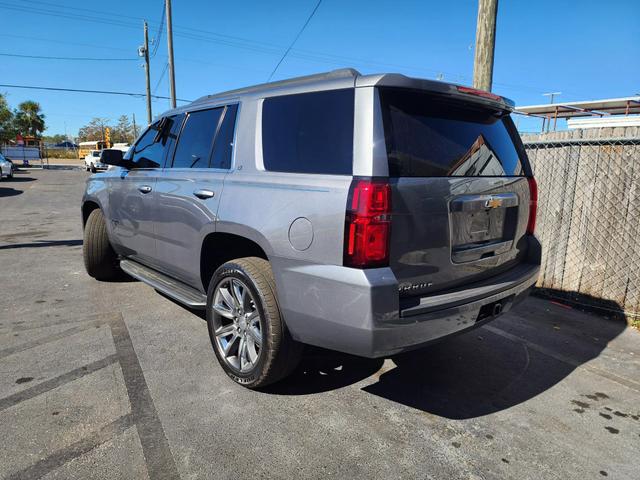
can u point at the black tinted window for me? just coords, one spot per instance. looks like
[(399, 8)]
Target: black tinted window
[(309, 133), (427, 136), (195, 142), (148, 152), (223, 147)]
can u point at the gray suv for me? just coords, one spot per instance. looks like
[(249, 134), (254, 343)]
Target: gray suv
[(368, 214)]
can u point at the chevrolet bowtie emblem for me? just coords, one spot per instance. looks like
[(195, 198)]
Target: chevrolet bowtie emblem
[(493, 202)]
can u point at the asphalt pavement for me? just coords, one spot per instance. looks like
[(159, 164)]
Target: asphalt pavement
[(113, 380)]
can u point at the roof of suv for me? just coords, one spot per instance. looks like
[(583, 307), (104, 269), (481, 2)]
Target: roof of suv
[(347, 78)]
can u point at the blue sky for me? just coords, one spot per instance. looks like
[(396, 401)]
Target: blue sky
[(586, 49)]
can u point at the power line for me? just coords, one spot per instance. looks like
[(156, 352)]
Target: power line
[(231, 41), (69, 58), (51, 40), (156, 40), (77, 90), (99, 12), (295, 39), (239, 42), (57, 13), (166, 65)]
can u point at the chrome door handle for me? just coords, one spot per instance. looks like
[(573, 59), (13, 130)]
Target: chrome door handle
[(204, 194), (144, 188)]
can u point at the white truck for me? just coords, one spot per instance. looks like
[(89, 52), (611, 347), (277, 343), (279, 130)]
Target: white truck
[(93, 162)]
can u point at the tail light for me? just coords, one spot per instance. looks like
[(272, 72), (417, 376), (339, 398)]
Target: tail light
[(368, 224), (533, 205)]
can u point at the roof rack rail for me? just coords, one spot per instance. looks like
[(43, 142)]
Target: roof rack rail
[(333, 74)]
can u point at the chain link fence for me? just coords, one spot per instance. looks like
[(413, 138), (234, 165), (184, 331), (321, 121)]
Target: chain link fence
[(589, 215)]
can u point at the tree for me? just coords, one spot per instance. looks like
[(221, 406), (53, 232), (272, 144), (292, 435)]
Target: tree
[(123, 131), (7, 129), (29, 119), (94, 130), (57, 138)]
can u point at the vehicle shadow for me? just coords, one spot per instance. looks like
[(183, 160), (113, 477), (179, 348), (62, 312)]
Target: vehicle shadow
[(9, 192), (43, 243), (323, 370), (17, 178), (503, 364), (493, 368), (320, 370)]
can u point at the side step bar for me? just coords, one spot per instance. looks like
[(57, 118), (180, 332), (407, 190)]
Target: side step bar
[(170, 287)]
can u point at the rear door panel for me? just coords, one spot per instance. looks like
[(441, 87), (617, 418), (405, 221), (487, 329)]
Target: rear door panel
[(182, 220), (189, 191)]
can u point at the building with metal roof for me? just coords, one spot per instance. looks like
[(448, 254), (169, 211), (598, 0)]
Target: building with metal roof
[(599, 109)]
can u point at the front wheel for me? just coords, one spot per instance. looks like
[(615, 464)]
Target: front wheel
[(100, 260), (93, 168), (246, 329)]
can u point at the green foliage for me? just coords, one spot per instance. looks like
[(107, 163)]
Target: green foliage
[(94, 130), (121, 132), (57, 138), (7, 129), (29, 119), (61, 153)]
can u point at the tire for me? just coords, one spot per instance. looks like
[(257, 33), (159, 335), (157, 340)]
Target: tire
[(93, 168), (100, 260), (278, 353)]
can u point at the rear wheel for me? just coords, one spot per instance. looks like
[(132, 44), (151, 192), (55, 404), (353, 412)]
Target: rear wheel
[(100, 260), (246, 329)]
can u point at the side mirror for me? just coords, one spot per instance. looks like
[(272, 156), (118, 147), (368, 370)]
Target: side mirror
[(114, 157)]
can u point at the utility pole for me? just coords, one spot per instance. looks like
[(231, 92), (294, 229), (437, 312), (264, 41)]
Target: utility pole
[(172, 75), (485, 44), (144, 52), (135, 129)]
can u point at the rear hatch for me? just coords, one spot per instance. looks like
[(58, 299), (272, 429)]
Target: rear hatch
[(460, 194)]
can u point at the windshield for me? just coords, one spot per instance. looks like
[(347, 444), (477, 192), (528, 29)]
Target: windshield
[(427, 136)]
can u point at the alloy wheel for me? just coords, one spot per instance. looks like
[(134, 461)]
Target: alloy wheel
[(237, 325)]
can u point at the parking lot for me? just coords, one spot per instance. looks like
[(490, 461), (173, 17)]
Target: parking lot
[(114, 380)]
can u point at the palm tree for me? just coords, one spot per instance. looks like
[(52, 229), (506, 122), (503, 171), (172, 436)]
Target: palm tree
[(29, 118)]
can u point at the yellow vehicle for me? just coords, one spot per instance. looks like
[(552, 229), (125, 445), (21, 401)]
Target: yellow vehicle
[(84, 148)]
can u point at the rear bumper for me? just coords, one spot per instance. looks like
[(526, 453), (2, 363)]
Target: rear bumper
[(359, 311)]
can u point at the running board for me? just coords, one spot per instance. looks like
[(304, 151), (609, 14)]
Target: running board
[(170, 287)]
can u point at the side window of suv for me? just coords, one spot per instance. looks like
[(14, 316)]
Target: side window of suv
[(196, 139), (223, 147), (309, 132), (148, 152)]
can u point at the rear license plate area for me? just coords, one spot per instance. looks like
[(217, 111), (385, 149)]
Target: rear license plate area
[(482, 226)]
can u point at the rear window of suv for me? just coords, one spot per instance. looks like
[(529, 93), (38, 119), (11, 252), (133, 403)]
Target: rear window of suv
[(427, 136), (309, 132)]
